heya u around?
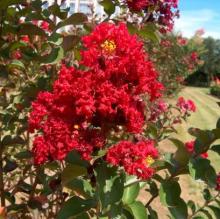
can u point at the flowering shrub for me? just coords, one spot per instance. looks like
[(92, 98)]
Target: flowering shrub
[(83, 120), (182, 59), (161, 12)]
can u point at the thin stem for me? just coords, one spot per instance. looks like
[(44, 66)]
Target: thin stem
[(204, 205), (2, 191), (151, 200)]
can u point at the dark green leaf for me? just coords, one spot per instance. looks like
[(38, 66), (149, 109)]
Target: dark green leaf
[(203, 141), (153, 213), (216, 148), (55, 39), (74, 158), (216, 211), (181, 155), (54, 57), (57, 11), (170, 193), (4, 4), (110, 185), (24, 155), (192, 205), (201, 169), (74, 19), (30, 29), (71, 172), (218, 123), (70, 42), (179, 210), (9, 166), (206, 194), (82, 187), (75, 206)]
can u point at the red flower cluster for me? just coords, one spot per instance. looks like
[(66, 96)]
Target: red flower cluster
[(45, 26), (194, 56), (158, 108), (136, 159), (218, 182), (137, 5), (16, 54), (186, 105), (164, 11), (84, 106), (190, 147), (182, 41)]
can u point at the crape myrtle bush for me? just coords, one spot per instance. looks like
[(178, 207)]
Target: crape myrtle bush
[(176, 57), (83, 116)]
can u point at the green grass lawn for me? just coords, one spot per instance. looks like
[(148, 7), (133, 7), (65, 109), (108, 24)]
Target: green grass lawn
[(205, 117)]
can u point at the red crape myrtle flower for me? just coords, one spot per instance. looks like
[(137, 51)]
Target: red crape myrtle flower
[(136, 158), (45, 26), (190, 147), (218, 182), (164, 11), (186, 105), (137, 5), (84, 106)]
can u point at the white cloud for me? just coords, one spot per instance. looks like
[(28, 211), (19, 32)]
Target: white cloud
[(190, 21)]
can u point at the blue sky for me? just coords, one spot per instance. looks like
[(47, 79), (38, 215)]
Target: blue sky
[(197, 14)]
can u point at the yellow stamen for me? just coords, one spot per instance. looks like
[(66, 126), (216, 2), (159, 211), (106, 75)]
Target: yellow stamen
[(108, 46), (149, 160), (76, 126)]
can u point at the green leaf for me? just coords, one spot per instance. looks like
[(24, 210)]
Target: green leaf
[(4, 4), (75, 206), (70, 42), (180, 210), (203, 141), (192, 205), (109, 6), (55, 39), (170, 193), (57, 11), (153, 213), (131, 193), (10, 166), (207, 213), (201, 169), (110, 185), (30, 29), (24, 155), (181, 155), (216, 148), (16, 64), (218, 123), (71, 172), (138, 210), (216, 211), (149, 31), (82, 187), (54, 57), (206, 194), (74, 19), (74, 158)]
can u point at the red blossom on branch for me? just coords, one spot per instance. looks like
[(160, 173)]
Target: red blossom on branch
[(190, 145), (186, 105), (84, 106), (135, 158)]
